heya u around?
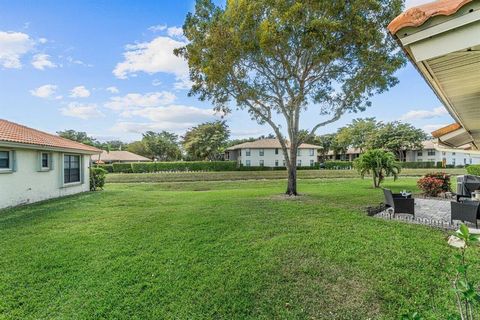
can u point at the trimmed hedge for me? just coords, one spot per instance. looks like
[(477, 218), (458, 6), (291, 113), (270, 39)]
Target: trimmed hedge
[(122, 168), (419, 165), (338, 165), (106, 167), (474, 169), (148, 167)]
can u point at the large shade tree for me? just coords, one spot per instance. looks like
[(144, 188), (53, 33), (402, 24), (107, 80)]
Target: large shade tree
[(162, 146), (276, 59), (207, 141)]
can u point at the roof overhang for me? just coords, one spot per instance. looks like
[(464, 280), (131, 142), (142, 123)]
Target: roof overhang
[(6, 144), (442, 39)]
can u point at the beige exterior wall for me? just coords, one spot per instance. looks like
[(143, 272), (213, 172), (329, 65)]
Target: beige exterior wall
[(269, 157), (26, 184)]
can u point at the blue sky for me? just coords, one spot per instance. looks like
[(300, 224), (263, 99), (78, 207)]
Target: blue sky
[(106, 67)]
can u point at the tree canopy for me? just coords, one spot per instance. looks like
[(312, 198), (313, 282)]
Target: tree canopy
[(275, 59), (206, 141), (162, 146)]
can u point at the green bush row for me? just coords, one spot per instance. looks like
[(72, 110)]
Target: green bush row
[(107, 167), (419, 165), (331, 165), (474, 169), (148, 167)]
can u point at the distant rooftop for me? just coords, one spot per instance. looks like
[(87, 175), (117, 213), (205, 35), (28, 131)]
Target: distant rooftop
[(123, 156)]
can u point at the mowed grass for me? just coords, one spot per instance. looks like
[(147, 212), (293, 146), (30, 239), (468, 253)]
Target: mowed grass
[(256, 175), (221, 250)]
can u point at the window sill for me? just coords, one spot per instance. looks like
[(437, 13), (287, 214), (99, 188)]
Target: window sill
[(6, 171), (45, 170), (72, 184)]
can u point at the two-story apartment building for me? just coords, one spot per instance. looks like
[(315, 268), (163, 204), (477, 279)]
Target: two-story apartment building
[(268, 153), (435, 152)]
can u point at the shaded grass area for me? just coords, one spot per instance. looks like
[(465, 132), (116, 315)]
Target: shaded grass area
[(223, 250), (253, 175)]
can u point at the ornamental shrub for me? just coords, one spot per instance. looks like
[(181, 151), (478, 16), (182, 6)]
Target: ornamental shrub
[(122, 167), (338, 165), (445, 178), (97, 178), (107, 167), (474, 169), (419, 165), (430, 186)]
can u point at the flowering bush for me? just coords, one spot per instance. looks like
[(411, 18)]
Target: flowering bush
[(430, 186), (445, 178)]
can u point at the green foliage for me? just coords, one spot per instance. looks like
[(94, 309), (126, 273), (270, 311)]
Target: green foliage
[(106, 167), (358, 134), (338, 165), (138, 147), (379, 163), (431, 186), (415, 165), (397, 137), (206, 141), (474, 169), (146, 167), (466, 291), (97, 178), (122, 167), (282, 57), (162, 146), (78, 136)]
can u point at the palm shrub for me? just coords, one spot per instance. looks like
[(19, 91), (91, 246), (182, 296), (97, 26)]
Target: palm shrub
[(379, 163)]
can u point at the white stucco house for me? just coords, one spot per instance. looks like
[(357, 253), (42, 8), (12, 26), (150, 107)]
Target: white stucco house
[(36, 166), (268, 153)]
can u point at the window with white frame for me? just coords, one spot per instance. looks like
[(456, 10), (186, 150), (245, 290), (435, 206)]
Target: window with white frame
[(276, 163), (276, 151), (284, 163), (312, 163), (299, 163), (71, 168), (5, 160), (45, 161), (247, 152), (299, 152), (247, 163), (431, 152), (262, 163), (261, 152), (311, 152), (419, 153)]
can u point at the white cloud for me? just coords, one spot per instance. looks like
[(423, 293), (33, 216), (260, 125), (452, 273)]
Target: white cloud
[(13, 45), (152, 57), (42, 40), (113, 90), (424, 114), (175, 114), (133, 101), (432, 127), (156, 82), (81, 111), (79, 92), (141, 127), (175, 32), (45, 91), (158, 27), (41, 61)]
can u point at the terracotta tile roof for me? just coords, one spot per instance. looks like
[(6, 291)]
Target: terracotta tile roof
[(119, 156), (445, 130), (268, 144), (417, 16), (13, 132)]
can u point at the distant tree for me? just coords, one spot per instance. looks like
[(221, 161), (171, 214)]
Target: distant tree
[(358, 134), (114, 145), (78, 136), (379, 163), (206, 141), (277, 59), (162, 146), (326, 142), (398, 137), (138, 147)]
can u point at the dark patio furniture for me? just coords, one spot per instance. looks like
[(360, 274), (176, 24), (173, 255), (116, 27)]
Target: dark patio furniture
[(466, 211), (399, 203), (466, 184)]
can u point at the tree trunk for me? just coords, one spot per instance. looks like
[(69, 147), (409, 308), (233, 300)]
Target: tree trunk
[(292, 173), (292, 181)]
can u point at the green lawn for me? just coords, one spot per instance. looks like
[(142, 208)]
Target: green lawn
[(255, 175), (221, 250)]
